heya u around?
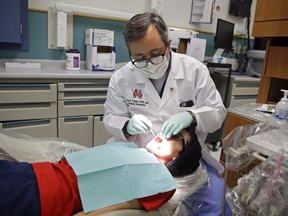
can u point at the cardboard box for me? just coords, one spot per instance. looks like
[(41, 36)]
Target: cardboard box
[(176, 34), (194, 47), (99, 37), (100, 58)]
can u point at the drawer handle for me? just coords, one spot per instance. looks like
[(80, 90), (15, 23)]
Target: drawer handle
[(13, 124), (100, 117), (97, 84), (24, 86), (75, 118), (85, 101), (24, 105)]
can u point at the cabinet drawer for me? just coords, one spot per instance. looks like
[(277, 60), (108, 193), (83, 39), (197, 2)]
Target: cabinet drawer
[(77, 129), (18, 93), (72, 95), (34, 128), (239, 89), (100, 85), (81, 107), (241, 100), (22, 111), (277, 64)]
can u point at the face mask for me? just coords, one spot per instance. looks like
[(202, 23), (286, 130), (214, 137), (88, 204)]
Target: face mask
[(155, 71)]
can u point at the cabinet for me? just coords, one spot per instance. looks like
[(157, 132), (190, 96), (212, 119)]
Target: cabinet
[(271, 21), (69, 110), (241, 90), (80, 111), (14, 31), (29, 108), (232, 121)]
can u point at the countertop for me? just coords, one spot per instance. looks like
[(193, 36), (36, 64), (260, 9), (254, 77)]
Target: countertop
[(51, 69), (249, 111), (240, 77)]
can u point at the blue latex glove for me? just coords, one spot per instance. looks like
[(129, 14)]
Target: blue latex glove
[(138, 124), (175, 124)]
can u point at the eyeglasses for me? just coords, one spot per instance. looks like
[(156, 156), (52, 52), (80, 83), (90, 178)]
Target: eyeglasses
[(144, 62), (180, 138)]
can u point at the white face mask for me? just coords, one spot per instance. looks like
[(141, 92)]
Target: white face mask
[(155, 71)]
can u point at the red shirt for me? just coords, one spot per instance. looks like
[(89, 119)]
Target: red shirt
[(59, 194)]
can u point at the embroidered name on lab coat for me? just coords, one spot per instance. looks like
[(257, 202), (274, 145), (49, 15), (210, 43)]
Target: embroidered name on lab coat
[(135, 102)]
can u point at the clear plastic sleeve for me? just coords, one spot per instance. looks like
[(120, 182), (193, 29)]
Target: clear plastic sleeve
[(189, 195), (21, 147), (237, 152), (264, 190)]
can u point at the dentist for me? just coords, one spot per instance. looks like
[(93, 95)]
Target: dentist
[(165, 92)]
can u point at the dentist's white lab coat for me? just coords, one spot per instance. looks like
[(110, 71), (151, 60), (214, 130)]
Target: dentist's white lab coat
[(132, 93)]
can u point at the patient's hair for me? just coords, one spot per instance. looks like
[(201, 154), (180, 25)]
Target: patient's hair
[(188, 160)]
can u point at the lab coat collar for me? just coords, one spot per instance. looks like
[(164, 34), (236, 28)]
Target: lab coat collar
[(176, 71)]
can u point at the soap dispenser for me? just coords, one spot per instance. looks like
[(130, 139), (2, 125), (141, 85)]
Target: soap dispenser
[(281, 109)]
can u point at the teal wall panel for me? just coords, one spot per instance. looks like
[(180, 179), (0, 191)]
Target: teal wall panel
[(38, 38)]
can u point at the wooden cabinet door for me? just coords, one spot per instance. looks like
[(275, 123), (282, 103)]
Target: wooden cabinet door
[(267, 10), (277, 64), (271, 18)]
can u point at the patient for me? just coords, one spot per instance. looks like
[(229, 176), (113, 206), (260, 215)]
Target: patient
[(46, 188)]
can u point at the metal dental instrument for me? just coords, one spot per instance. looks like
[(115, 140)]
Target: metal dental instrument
[(157, 138), (152, 132)]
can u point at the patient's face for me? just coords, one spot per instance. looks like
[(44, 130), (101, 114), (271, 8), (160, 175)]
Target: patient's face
[(168, 149)]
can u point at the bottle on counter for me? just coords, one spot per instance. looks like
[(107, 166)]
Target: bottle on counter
[(72, 59), (281, 109)]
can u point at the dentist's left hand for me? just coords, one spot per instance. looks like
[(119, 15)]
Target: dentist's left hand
[(138, 124), (175, 124)]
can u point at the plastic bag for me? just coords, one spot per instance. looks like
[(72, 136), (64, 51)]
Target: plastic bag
[(237, 152), (24, 148), (264, 190), (188, 198)]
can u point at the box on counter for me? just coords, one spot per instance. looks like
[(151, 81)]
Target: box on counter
[(100, 50), (99, 37), (100, 58)]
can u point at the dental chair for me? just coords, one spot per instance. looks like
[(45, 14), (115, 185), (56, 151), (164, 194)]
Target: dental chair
[(23, 148)]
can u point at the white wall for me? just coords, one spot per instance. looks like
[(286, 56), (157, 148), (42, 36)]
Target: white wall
[(176, 12)]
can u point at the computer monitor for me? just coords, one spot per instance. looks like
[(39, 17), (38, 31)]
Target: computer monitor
[(224, 35)]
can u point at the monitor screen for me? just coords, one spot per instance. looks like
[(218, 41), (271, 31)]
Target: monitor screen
[(224, 35)]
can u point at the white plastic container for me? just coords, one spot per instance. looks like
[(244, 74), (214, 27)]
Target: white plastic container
[(72, 59), (281, 109)]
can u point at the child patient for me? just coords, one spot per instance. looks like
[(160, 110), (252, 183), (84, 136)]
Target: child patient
[(46, 188)]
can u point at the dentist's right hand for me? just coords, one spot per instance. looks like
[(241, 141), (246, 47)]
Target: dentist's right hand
[(138, 124)]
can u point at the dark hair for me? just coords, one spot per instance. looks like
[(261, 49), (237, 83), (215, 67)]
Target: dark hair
[(188, 160), (138, 25)]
